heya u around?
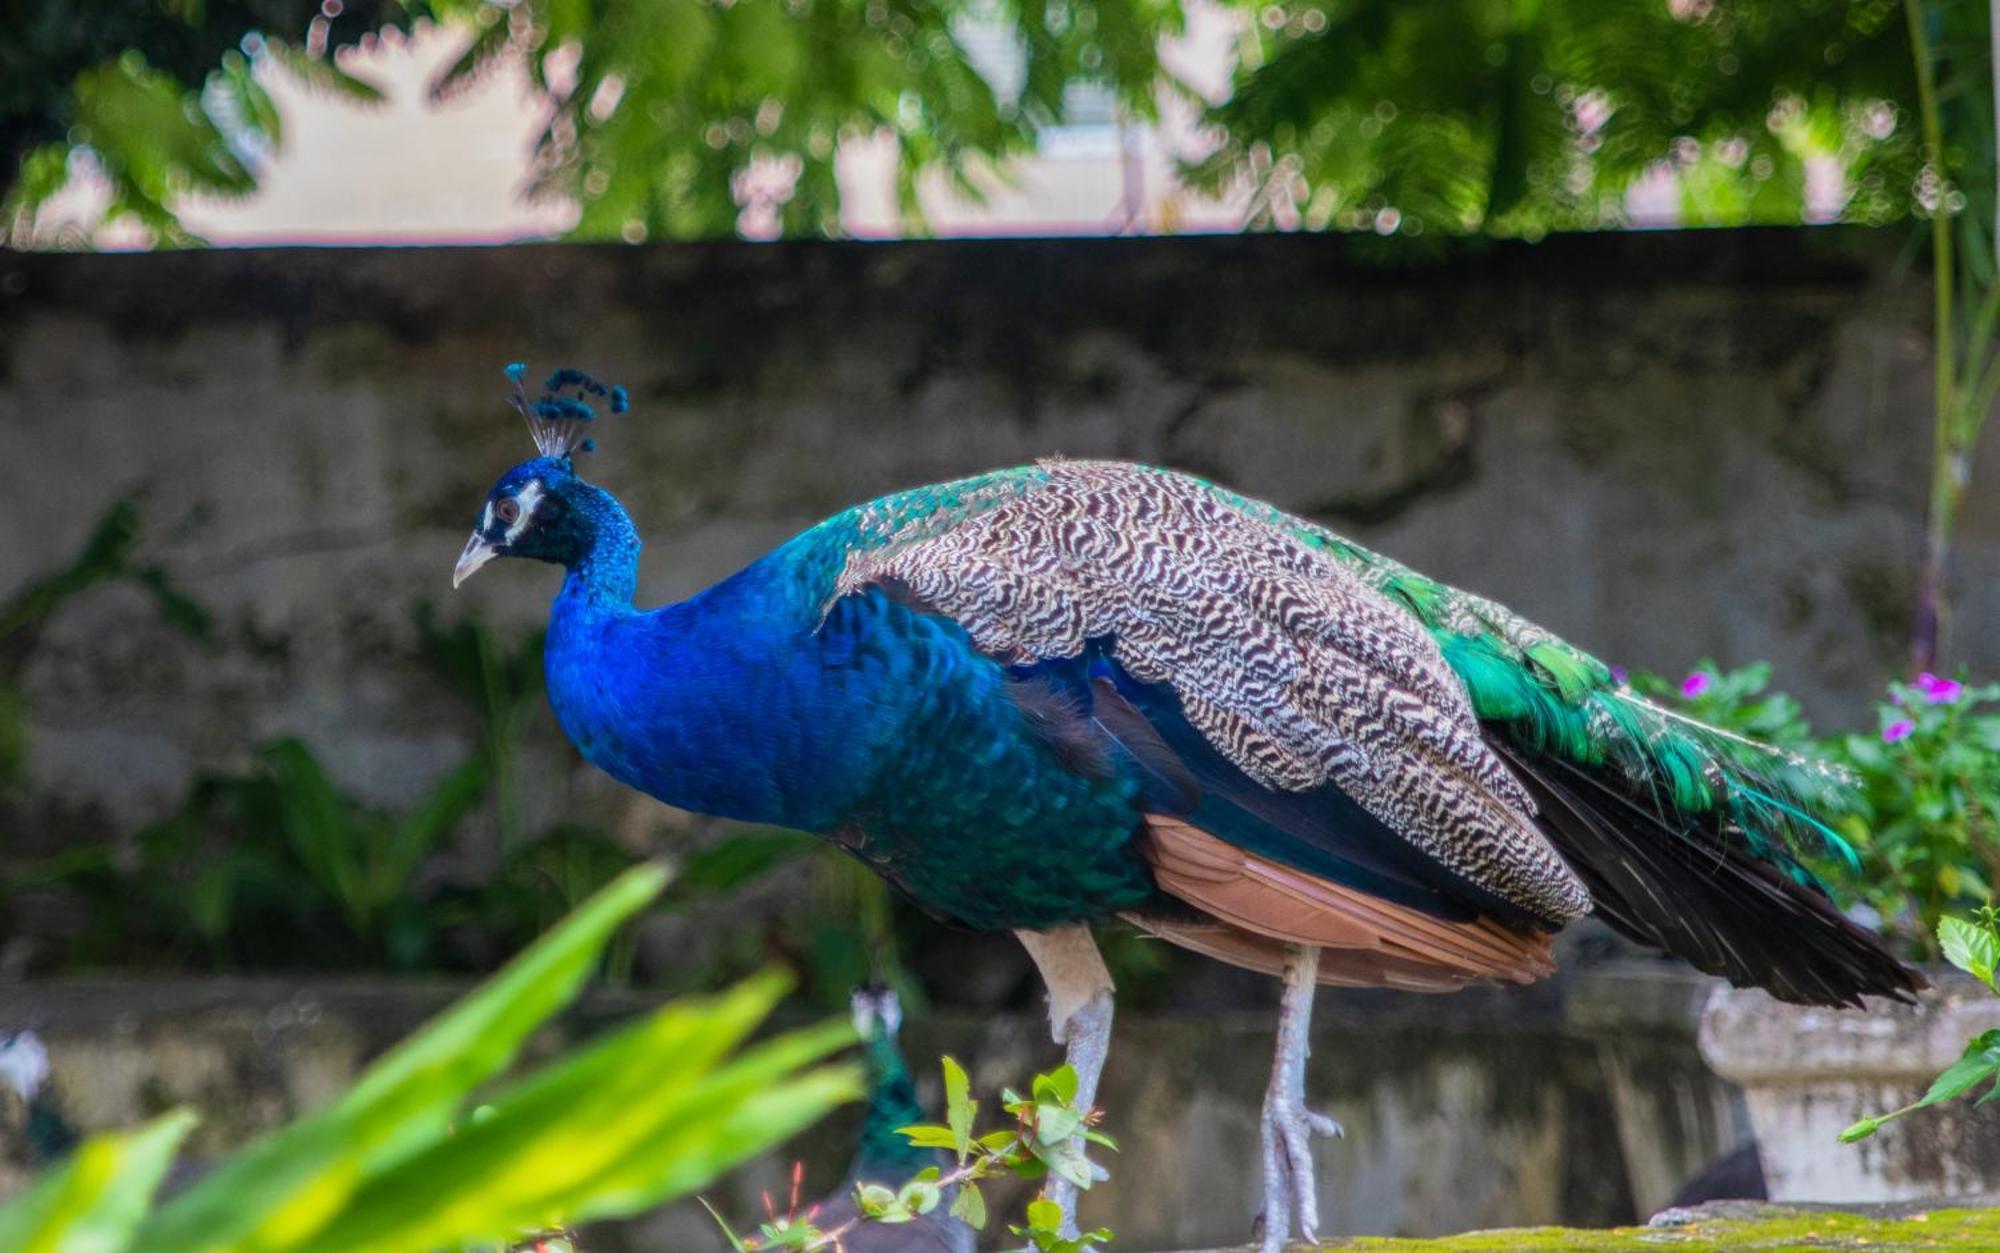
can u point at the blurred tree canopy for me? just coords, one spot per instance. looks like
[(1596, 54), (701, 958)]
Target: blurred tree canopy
[(664, 110), (1509, 117), (1515, 117), (671, 104), (160, 95)]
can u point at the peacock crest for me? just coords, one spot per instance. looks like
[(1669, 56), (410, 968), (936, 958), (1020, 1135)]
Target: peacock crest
[(556, 422)]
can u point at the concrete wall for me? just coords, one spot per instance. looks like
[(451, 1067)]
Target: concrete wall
[(1662, 446)]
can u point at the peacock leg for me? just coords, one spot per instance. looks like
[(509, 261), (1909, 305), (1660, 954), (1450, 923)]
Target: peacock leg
[(1079, 1019), (1290, 1187)]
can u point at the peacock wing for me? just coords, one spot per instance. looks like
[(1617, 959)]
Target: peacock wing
[(1303, 678)]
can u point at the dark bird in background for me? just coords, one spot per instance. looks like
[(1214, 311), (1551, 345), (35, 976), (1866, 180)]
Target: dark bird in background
[(885, 1157), (1045, 696), (47, 1135)]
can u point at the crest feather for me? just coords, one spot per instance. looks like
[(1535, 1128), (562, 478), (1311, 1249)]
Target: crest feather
[(557, 422)]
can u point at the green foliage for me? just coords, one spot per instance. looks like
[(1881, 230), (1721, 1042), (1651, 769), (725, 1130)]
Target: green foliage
[(674, 103), (408, 1159), (656, 125), (1489, 116), (1048, 1135), (502, 684), (160, 100), (1928, 823), (1739, 701), (277, 864), (1974, 947)]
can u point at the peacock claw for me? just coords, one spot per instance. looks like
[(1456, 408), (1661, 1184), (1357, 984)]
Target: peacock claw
[(1290, 1186)]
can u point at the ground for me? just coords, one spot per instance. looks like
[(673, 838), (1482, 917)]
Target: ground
[(1728, 1228)]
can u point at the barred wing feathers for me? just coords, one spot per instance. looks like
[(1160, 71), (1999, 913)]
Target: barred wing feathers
[(1290, 664)]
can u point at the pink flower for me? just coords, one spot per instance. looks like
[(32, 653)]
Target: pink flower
[(1939, 691), (1696, 683), (1898, 730)]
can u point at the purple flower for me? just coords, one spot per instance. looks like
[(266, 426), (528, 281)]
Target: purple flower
[(1697, 682), (1618, 675), (1939, 691), (1898, 730)]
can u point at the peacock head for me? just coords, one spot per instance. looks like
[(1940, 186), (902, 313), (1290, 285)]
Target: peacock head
[(541, 509), (877, 1012)]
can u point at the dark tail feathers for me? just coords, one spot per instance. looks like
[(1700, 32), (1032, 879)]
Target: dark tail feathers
[(1723, 911)]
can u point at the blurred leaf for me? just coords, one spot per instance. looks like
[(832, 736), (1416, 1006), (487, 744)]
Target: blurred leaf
[(741, 857), (297, 1179), (1970, 947), (960, 1108), (93, 1202), (969, 1207), (639, 1117)]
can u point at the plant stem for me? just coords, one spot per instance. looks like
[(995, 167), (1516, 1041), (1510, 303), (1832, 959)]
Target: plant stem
[(1943, 503)]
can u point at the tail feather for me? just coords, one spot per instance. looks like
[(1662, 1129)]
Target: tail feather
[(1724, 911)]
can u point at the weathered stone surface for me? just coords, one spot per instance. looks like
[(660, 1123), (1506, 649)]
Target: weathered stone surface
[(1808, 1072)]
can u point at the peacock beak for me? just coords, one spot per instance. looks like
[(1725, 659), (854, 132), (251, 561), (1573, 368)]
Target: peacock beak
[(478, 551)]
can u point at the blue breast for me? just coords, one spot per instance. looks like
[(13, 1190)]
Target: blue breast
[(876, 724)]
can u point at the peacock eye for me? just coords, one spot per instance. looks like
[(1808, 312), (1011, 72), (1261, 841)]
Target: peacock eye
[(507, 510)]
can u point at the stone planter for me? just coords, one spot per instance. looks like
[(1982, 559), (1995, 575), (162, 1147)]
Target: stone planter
[(1807, 1073)]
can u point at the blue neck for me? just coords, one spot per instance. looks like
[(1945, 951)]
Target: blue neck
[(718, 704), (607, 574)]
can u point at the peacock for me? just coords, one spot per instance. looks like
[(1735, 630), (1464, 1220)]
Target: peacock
[(1046, 696), (884, 1156)]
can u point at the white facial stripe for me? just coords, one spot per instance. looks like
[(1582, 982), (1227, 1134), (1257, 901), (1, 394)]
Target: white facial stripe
[(529, 497)]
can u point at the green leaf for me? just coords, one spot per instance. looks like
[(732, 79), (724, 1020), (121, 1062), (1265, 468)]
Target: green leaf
[(1044, 1215), (647, 1114), (1980, 1061), (920, 1196), (873, 1199), (929, 1137), (969, 1207), (1056, 1123), (959, 1106), (96, 1199), (1970, 947), (1066, 1160), (1058, 1086)]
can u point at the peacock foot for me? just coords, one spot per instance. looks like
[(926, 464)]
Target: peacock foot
[(1291, 1188)]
